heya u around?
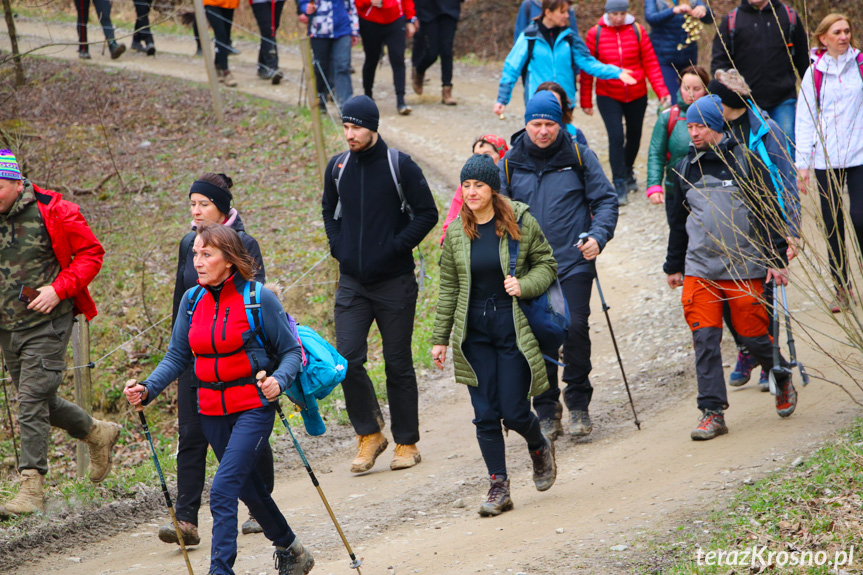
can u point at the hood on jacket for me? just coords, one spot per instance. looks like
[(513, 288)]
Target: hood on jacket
[(532, 31), (745, 5), (628, 21), (821, 60), (233, 221)]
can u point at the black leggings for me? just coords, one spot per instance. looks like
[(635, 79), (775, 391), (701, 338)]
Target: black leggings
[(830, 186), (439, 35), (622, 150), (103, 11), (374, 37), (142, 21), (221, 20)]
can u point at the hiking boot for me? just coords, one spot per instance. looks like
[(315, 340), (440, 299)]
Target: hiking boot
[(168, 534), (405, 456), (498, 499), (763, 381), (712, 424), (29, 496), (631, 182), (368, 449), (84, 54), (251, 525), (417, 80), (226, 78), (579, 423), (277, 78), (620, 190), (137, 46), (786, 398), (116, 49), (446, 96), (101, 440), (551, 428), (404, 109), (544, 466), (295, 560), (743, 370), (150, 49)]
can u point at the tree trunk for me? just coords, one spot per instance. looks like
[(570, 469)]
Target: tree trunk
[(13, 38)]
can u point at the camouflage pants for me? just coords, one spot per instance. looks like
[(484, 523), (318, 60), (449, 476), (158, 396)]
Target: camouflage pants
[(36, 358)]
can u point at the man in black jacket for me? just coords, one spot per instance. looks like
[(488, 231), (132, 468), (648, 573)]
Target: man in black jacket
[(765, 40), (372, 227), (569, 194)]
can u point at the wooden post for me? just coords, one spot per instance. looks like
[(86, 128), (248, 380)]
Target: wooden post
[(314, 104), (207, 50), (83, 389), (13, 38)]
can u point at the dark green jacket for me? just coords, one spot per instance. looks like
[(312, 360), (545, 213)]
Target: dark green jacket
[(659, 165), (535, 270)]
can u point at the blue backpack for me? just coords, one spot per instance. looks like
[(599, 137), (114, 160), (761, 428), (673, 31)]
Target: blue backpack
[(323, 368)]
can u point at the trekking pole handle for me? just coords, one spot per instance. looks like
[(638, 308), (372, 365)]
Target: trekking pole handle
[(133, 383), (582, 237)]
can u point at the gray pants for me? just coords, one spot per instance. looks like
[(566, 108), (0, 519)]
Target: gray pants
[(36, 358)]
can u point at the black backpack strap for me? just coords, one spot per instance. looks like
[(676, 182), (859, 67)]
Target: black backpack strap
[(513, 251), (395, 172), (254, 307), (339, 169), (185, 246), (530, 42)]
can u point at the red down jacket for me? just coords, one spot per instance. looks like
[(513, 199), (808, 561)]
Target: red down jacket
[(620, 46), (391, 10)]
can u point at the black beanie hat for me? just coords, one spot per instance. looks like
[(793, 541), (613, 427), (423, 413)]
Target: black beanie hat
[(361, 111), (481, 167), (218, 195), (728, 96)]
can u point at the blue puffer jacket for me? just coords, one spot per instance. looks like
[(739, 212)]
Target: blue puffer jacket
[(550, 64), (332, 19), (666, 31), (566, 196)]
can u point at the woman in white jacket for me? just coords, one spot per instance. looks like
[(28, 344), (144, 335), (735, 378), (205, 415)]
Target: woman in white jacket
[(829, 137)]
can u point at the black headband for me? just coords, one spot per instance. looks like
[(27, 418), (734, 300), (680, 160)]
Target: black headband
[(220, 197)]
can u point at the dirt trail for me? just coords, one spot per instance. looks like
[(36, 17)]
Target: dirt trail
[(620, 486)]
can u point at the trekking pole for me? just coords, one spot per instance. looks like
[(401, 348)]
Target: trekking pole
[(355, 563), (778, 368), (605, 308), (9, 414), (792, 349), (140, 409)]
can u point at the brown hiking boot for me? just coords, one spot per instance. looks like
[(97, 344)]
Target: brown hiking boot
[(368, 449), (446, 96), (498, 499), (168, 534), (417, 79), (251, 525), (544, 466), (29, 497), (101, 440), (712, 424), (295, 560), (405, 456)]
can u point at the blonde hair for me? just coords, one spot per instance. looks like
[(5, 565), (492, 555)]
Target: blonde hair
[(825, 26), (732, 80)]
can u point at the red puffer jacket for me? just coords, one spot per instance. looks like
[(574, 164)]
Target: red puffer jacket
[(391, 11), (76, 247), (620, 46)]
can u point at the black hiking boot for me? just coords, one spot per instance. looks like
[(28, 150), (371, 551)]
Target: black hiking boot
[(498, 499), (712, 424), (544, 466), (295, 560), (579, 423)]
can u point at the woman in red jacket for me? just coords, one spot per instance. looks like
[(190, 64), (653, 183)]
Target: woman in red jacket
[(386, 22), (618, 39)]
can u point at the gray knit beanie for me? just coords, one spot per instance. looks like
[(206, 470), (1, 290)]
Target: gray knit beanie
[(616, 6), (482, 168)]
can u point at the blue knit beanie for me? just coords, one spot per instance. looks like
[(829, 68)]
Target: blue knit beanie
[(707, 110), (543, 106), (481, 168)]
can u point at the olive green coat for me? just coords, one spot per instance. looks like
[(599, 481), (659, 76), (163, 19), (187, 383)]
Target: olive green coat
[(535, 270)]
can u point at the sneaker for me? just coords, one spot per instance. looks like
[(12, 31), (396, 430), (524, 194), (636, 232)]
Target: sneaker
[(786, 398), (764, 381), (404, 109), (251, 525), (579, 423), (168, 533), (277, 78), (368, 449), (405, 456), (150, 49), (743, 370), (551, 428), (116, 49), (712, 424), (498, 499), (544, 466), (138, 46), (84, 54), (226, 78), (295, 560), (631, 183)]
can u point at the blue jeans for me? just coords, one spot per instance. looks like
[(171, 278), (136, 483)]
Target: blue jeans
[(333, 64), (784, 115), (670, 79), (238, 440)]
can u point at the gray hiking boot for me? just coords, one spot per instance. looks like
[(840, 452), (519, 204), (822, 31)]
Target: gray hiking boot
[(251, 526), (168, 533), (498, 499), (579, 423), (295, 560), (544, 466), (551, 428), (711, 424)]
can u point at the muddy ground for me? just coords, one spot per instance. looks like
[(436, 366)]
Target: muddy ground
[(618, 487)]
